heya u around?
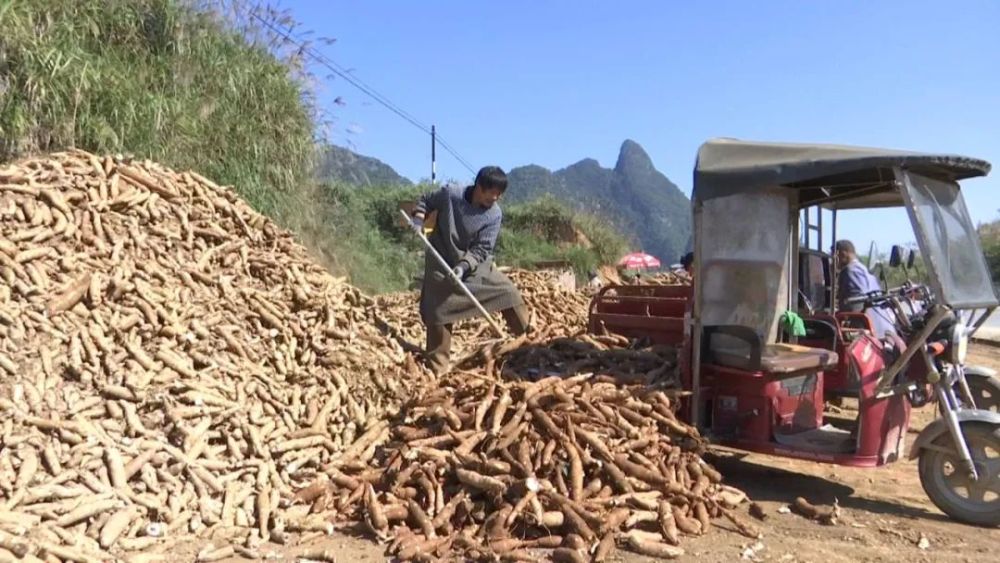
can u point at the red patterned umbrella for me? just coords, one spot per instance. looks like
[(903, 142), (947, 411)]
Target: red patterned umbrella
[(638, 261)]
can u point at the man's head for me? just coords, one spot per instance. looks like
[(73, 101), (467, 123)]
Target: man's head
[(491, 183), (845, 251), (687, 262)]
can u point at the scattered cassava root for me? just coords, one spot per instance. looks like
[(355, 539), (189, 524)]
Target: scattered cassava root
[(567, 467), (827, 516)]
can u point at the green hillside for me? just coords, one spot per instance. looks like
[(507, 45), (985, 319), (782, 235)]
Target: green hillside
[(989, 233), (645, 208), (170, 80)]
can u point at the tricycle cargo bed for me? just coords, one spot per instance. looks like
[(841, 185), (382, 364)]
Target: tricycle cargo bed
[(655, 312)]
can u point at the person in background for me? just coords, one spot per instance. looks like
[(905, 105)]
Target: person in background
[(854, 280), (687, 262), (595, 280), (468, 222)]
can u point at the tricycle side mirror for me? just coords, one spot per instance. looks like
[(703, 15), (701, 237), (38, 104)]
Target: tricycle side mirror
[(896, 256), (911, 259), (878, 270)]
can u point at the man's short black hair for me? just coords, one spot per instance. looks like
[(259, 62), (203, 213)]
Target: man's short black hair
[(845, 246), (687, 259), (492, 178)]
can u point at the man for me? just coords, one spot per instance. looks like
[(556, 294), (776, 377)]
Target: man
[(854, 280), (595, 281), (468, 222), (687, 262)]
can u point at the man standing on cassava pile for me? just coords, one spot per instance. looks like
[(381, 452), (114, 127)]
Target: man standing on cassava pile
[(468, 222)]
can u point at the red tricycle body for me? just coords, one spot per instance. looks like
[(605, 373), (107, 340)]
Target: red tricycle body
[(778, 411)]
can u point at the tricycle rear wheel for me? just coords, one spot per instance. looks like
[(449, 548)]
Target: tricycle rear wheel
[(955, 492)]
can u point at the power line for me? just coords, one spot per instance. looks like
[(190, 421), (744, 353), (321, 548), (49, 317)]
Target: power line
[(339, 71), (360, 85), (448, 148)]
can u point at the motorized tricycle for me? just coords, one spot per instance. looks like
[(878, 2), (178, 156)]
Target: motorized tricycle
[(756, 388)]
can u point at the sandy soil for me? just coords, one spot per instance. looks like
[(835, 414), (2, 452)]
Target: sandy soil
[(885, 514)]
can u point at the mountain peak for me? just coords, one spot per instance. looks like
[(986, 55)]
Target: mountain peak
[(585, 163), (633, 158), (634, 196), (630, 145)]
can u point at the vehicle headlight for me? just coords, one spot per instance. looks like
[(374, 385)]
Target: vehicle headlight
[(959, 344)]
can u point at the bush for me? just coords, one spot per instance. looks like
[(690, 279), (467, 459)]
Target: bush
[(363, 237), (546, 229)]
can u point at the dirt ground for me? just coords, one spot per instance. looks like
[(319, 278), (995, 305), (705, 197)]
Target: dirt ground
[(885, 514)]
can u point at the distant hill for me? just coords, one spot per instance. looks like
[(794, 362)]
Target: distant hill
[(343, 165), (641, 201)]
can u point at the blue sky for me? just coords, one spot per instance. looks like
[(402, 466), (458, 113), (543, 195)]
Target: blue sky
[(550, 83)]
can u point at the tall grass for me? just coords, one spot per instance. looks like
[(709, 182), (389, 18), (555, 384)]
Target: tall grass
[(366, 240), (181, 82)]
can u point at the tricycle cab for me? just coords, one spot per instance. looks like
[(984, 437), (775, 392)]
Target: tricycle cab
[(755, 385), (763, 345)]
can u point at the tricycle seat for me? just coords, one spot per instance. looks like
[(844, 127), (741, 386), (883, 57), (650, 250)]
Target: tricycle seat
[(787, 358), (779, 359)]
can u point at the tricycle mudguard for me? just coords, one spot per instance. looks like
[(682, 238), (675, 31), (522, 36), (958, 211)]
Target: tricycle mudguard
[(980, 371), (939, 427)]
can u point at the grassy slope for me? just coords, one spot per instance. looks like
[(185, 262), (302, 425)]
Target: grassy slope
[(169, 80)]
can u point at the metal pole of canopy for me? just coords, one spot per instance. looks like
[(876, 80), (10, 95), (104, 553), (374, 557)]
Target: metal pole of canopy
[(694, 324), (834, 274)]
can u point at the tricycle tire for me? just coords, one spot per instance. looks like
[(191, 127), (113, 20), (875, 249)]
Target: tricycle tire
[(942, 477)]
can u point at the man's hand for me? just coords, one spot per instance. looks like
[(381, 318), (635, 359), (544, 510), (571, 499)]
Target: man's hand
[(417, 224), (461, 270)]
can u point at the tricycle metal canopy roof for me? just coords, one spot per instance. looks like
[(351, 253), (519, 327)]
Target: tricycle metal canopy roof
[(835, 176)]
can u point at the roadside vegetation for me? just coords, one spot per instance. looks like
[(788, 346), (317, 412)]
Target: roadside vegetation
[(189, 84), (989, 233)]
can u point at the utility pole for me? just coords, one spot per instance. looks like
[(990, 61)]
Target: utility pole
[(433, 154)]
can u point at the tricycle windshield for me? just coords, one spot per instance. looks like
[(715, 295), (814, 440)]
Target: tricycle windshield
[(948, 241)]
